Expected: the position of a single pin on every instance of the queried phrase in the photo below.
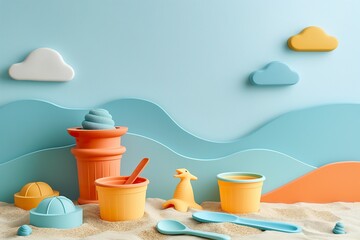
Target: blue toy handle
(208, 235)
(269, 225)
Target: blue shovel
(218, 217)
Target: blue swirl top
(98, 119)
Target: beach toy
(98, 152)
(119, 201)
(339, 228)
(217, 217)
(32, 194)
(183, 196)
(56, 212)
(139, 168)
(24, 230)
(172, 227)
(240, 192)
(98, 119)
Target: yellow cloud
(312, 39)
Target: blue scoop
(173, 227)
(217, 217)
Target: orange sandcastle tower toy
(183, 196)
(98, 151)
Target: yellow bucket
(240, 192)
(119, 201)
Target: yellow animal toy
(183, 196)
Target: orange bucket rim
(80, 129)
(79, 132)
(110, 182)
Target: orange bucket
(98, 154)
(119, 201)
(240, 192)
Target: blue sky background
(193, 58)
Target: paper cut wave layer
(36, 125)
(55, 166)
(52, 165)
(331, 183)
(316, 136)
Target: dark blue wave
(30, 125)
(316, 136)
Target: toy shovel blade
(217, 217)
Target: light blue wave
(57, 166)
(31, 125)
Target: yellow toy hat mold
(32, 194)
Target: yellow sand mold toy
(183, 196)
(32, 194)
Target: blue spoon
(173, 227)
(217, 217)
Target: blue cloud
(274, 73)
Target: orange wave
(336, 182)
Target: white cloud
(42, 64)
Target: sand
(317, 221)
